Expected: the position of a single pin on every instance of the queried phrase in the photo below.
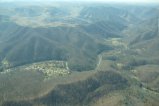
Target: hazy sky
(90, 0)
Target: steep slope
(106, 13)
(21, 45)
(82, 92)
(144, 36)
(115, 42)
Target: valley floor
(37, 80)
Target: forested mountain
(83, 54)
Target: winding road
(99, 61)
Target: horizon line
(87, 1)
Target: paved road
(67, 66)
(99, 61)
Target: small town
(50, 68)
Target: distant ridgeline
(71, 33)
(22, 45)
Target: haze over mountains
(109, 51)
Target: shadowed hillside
(84, 54)
(82, 92)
